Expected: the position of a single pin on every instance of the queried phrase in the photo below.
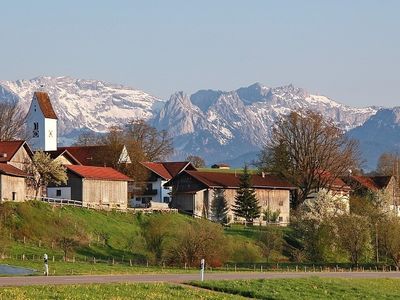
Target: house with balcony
(153, 191)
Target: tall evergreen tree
(219, 206)
(246, 203)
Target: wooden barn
(93, 186)
(15, 156)
(12, 183)
(193, 192)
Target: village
(176, 186)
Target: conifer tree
(246, 203)
(219, 207)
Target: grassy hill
(30, 229)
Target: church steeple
(42, 123)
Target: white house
(42, 123)
(155, 191)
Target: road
(180, 278)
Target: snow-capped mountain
(221, 126)
(84, 104)
(217, 125)
(379, 134)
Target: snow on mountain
(221, 126)
(216, 125)
(379, 134)
(84, 104)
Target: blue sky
(348, 50)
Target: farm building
(158, 174)
(93, 187)
(15, 156)
(12, 183)
(193, 192)
(386, 187)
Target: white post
(202, 265)
(46, 265)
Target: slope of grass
(308, 288)
(111, 291)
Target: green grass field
(308, 288)
(112, 291)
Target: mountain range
(220, 126)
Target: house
(64, 157)
(93, 187)
(12, 183)
(193, 192)
(338, 189)
(94, 155)
(15, 157)
(384, 186)
(158, 174)
(221, 166)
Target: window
(14, 196)
(166, 199)
(280, 203)
(58, 193)
(36, 129)
(280, 219)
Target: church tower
(42, 123)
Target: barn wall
(102, 192)
(10, 184)
(274, 200)
(183, 201)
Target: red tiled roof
(175, 167)
(158, 168)
(366, 182)
(9, 148)
(11, 170)
(45, 105)
(99, 173)
(232, 180)
(84, 154)
(334, 183)
(170, 169)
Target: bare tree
(196, 161)
(309, 151)
(89, 138)
(155, 144)
(12, 122)
(388, 164)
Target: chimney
(263, 174)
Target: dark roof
(232, 180)
(381, 181)
(168, 170)
(362, 181)
(99, 173)
(85, 154)
(158, 169)
(9, 148)
(11, 170)
(55, 154)
(45, 105)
